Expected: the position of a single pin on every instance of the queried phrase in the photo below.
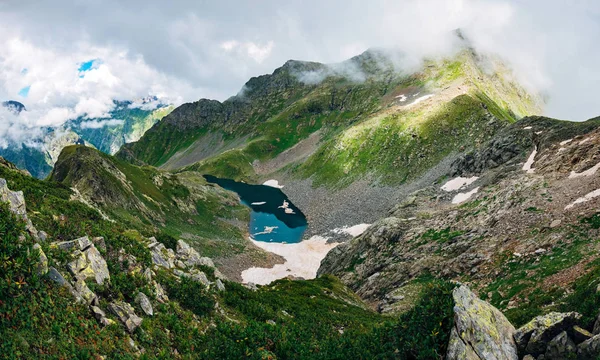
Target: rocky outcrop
(87, 261)
(142, 300)
(480, 331)
(125, 314)
(534, 336)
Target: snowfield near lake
(458, 183)
(462, 197)
(352, 230)
(273, 183)
(302, 260)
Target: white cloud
(97, 124)
(191, 49)
(256, 52)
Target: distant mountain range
(127, 122)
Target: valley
(396, 212)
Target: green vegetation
(527, 279)
(141, 197)
(401, 146)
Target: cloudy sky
(65, 58)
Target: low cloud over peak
(63, 59)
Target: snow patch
(352, 230)
(286, 207)
(273, 183)
(529, 163)
(301, 260)
(458, 183)
(589, 172)
(418, 100)
(563, 143)
(583, 199)
(538, 132)
(462, 197)
(402, 97)
(267, 230)
(259, 203)
(527, 128)
(585, 140)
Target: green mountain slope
(352, 118)
(191, 317)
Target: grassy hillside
(145, 198)
(317, 319)
(367, 127)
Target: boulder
(125, 314)
(579, 334)
(190, 256)
(220, 285)
(561, 347)
(589, 349)
(142, 300)
(78, 263)
(596, 329)
(81, 244)
(42, 267)
(533, 337)
(83, 292)
(57, 277)
(96, 266)
(159, 292)
(162, 256)
(15, 200)
(42, 235)
(480, 330)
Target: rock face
(560, 347)
(534, 336)
(589, 349)
(125, 314)
(480, 331)
(87, 262)
(142, 300)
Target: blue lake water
(273, 217)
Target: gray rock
(97, 312)
(15, 200)
(96, 266)
(125, 314)
(159, 292)
(579, 334)
(561, 347)
(148, 274)
(57, 277)
(81, 243)
(556, 223)
(42, 267)
(528, 357)
(142, 300)
(220, 285)
(42, 235)
(535, 335)
(596, 329)
(589, 349)
(162, 256)
(480, 331)
(271, 322)
(83, 292)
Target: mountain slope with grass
(79, 285)
(373, 127)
